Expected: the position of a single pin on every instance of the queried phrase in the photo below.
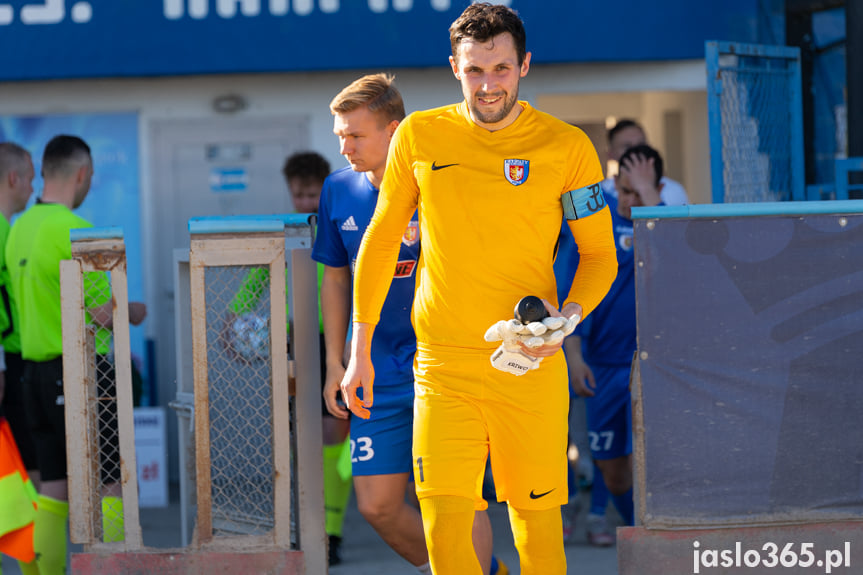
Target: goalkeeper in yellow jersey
(492, 178)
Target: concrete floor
(365, 553)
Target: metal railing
(755, 112)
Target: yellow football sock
(30, 568)
(448, 522)
(113, 520)
(337, 490)
(538, 537)
(49, 536)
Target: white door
(208, 167)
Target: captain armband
(586, 201)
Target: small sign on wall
(229, 179)
(150, 449)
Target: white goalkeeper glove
(509, 356)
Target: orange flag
(17, 500)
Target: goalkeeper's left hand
(524, 346)
(552, 340)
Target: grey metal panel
(750, 346)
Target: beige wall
(586, 93)
(675, 122)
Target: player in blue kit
(347, 203)
(366, 114)
(599, 353)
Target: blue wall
(828, 85)
(41, 39)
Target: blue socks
(625, 506)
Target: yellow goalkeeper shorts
(466, 410)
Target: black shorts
(13, 409)
(45, 407)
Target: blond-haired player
(366, 114)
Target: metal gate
(755, 111)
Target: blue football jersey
(609, 333)
(347, 203)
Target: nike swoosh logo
(435, 167)
(538, 495)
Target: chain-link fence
(104, 424)
(239, 374)
(249, 412)
(756, 131)
(241, 398)
(97, 388)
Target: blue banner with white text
(119, 38)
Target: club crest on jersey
(625, 241)
(412, 234)
(516, 171)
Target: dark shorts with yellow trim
(44, 405)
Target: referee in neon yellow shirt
(16, 186)
(39, 239)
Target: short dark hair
(622, 125)
(647, 152)
(483, 21)
(64, 154)
(375, 91)
(306, 166)
(12, 158)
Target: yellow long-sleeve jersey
(489, 214)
